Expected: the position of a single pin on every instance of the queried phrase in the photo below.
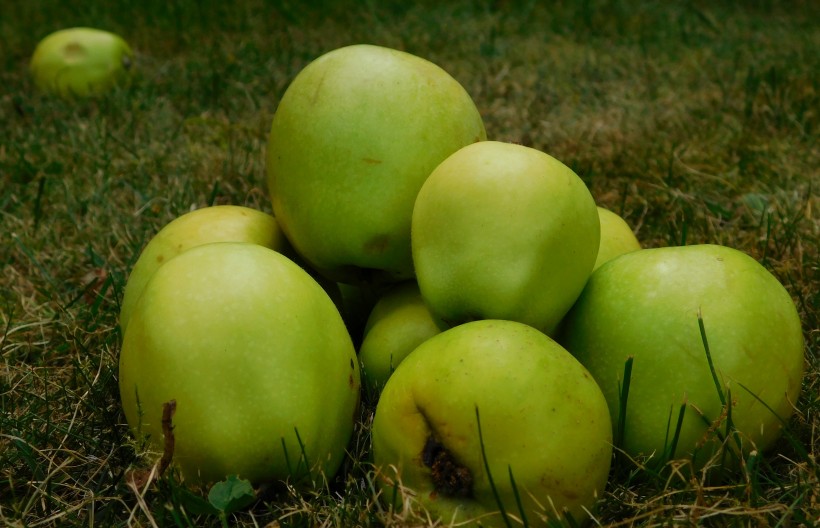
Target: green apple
(503, 231)
(220, 223)
(80, 61)
(399, 322)
(256, 356)
(645, 305)
(544, 426)
(617, 237)
(354, 137)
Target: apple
(398, 323)
(503, 231)
(219, 223)
(80, 61)
(646, 305)
(543, 420)
(617, 237)
(255, 355)
(355, 135)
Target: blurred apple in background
(503, 231)
(399, 322)
(220, 223)
(354, 137)
(545, 432)
(645, 304)
(80, 62)
(255, 354)
(617, 237)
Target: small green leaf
(232, 494)
(756, 202)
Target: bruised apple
(493, 404)
(355, 135)
(80, 61)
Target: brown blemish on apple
(377, 245)
(559, 486)
(450, 478)
(160, 258)
(371, 161)
(315, 98)
(74, 50)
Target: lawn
(697, 122)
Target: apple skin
(354, 137)
(542, 416)
(219, 223)
(80, 62)
(503, 231)
(645, 305)
(398, 323)
(617, 237)
(229, 331)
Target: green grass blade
(705, 341)
(496, 495)
(623, 397)
(518, 503)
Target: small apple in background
(80, 62)
(645, 305)
(399, 322)
(219, 223)
(257, 358)
(617, 237)
(503, 231)
(354, 137)
(544, 424)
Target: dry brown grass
(696, 122)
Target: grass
(698, 122)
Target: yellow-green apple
(355, 135)
(649, 305)
(80, 61)
(398, 323)
(544, 437)
(257, 358)
(219, 223)
(617, 237)
(503, 231)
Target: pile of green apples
(509, 332)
